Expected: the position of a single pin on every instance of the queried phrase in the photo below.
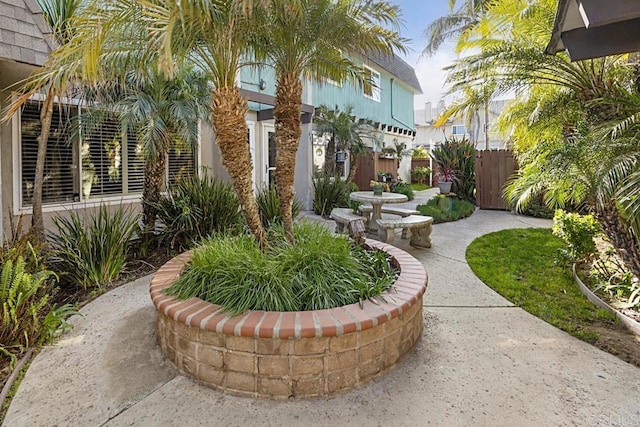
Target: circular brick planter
(290, 354)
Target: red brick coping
(290, 354)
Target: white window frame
(90, 202)
(251, 126)
(454, 127)
(375, 85)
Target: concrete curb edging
(628, 322)
(285, 355)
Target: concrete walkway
(480, 361)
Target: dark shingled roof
(24, 34)
(398, 68)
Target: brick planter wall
(290, 354)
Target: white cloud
(431, 75)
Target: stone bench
(420, 227)
(367, 209)
(345, 217)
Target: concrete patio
(481, 361)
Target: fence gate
(365, 172)
(493, 169)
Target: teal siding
(366, 108)
(250, 79)
(347, 94)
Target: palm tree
(325, 122)
(58, 14)
(307, 39)
(213, 35)
(345, 132)
(458, 24)
(163, 113)
(453, 25)
(555, 117)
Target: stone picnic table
(376, 203)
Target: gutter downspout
(392, 116)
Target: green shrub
(320, 271)
(403, 188)
(578, 232)
(420, 174)
(537, 209)
(195, 208)
(330, 192)
(92, 251)
(28, 320)
(458, 156)
(269, 206)
(22, 245)
(445, 209)
(420, 153)
(611, 279)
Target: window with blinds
(102, 159)
(180, 164)
(135, 164)
(59, 172)
(111, 161)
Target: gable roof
(24, 34)
(397, 67)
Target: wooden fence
(421, 163)
(368, 167)
(493, 169)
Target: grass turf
(420, 187)
(520, 265)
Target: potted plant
(378, 187)
(446, 177)
(388, 153)
(444, 156)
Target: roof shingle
(22, 31)
(396, 66)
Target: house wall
(211, 160)
(250, 79)
(394, 109)
(397, 100)
(9, 173)
(426, 134)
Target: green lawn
(520, 265)
(420, 187)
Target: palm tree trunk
(618, 232)
(353, 167)
(154, 170)
(287, 117)
(230, 126)
(46, 116)
(330, 157)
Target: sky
(417, 15)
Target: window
(459, 130)
(104, 161)
(371, 85)
(60, 180)
(180, 164)
(101, 154)
(135, 164)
